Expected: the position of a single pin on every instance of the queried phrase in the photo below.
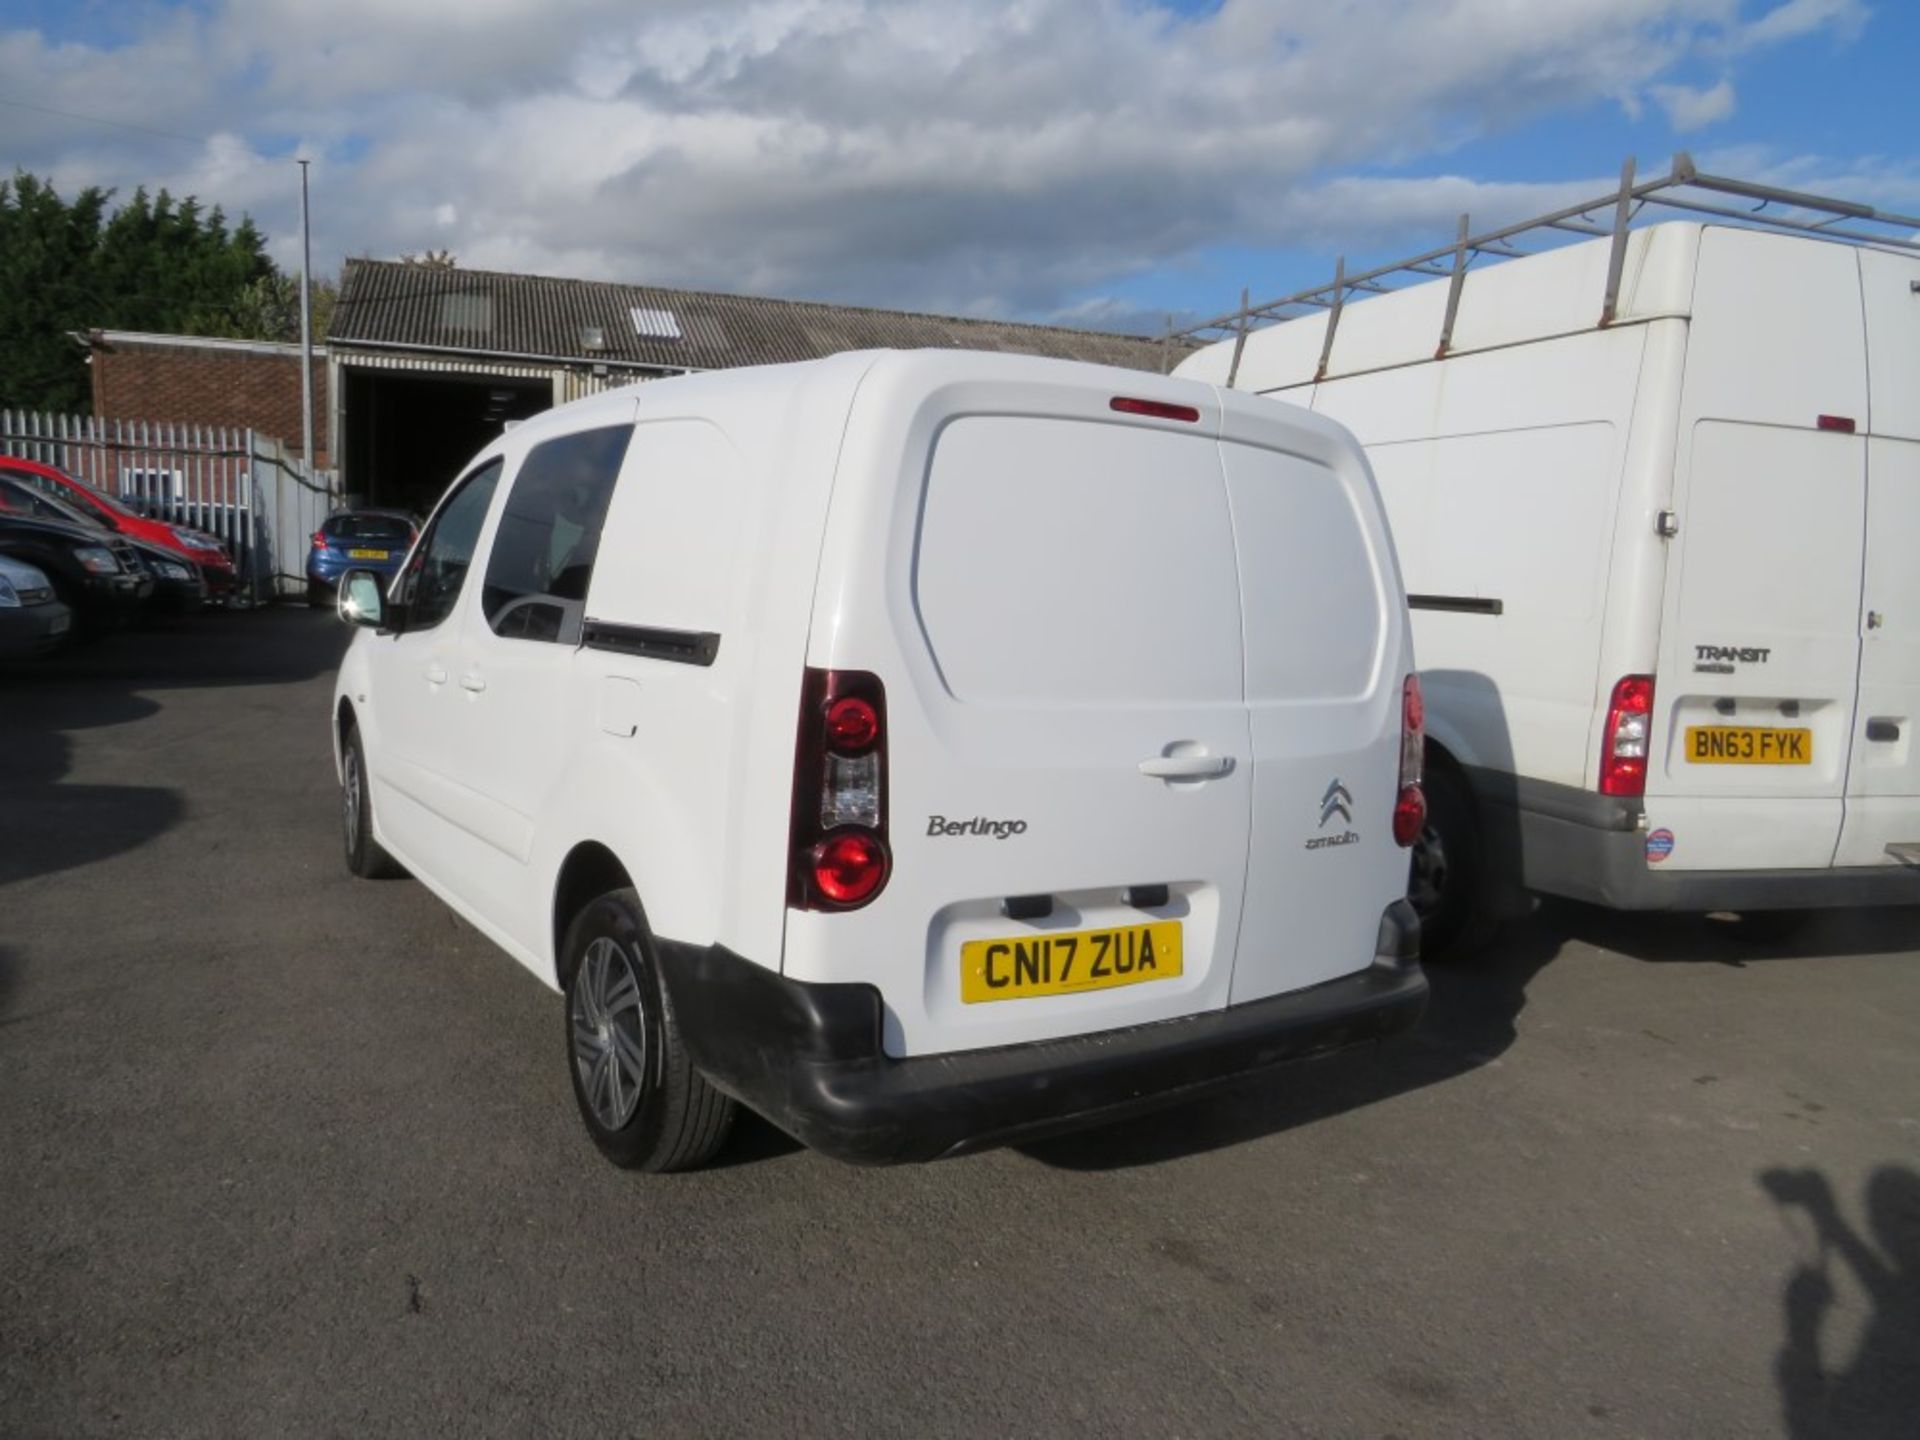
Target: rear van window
(1035, 579)
(368, 527)
(1315, 595)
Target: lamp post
(306, 328)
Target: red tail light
(849, 868)
(1627, 740)
(837, 856)
(852, 725)
(319, 540)
(1410, 808)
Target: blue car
(376, 540)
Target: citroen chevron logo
(1337, 801)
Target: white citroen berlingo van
(927, 750)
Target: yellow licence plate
(1748, 745)
(367, 554)
(1068, 963)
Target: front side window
(549, 533)
(76, 494)
(35, 479)
(433, 577)
(25, 500)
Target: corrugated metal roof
(478, 312)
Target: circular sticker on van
(1659, 846)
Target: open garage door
(405, 435)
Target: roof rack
(1684, 190)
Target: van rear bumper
(809, 1057)
(1590, 847)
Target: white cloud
(1690, 109)
(1002, 156)
(1795, 18)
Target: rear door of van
(1760, 637)
(1325, 667)
(1059, 630)
(1883, 781)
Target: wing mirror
(361, 601)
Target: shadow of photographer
(1876, 1393)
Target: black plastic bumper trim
(1609, 867)
(1560, 802)
(809, 1057)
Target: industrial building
(426, 362)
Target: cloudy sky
(1080, 160)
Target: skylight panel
(655, 324)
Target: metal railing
(236, 484)
(1682, 192)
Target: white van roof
(1635, 271)
(723, 390)
(1531, 298)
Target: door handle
(1186, 767)
(473, 681)
(436, 674)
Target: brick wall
(205, 385)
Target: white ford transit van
(1661, 560)
(928, 750)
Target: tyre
(1448, 880)
(317, 595)
(365, 858)
(643, 1103)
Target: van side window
(549, 532)
(433, 577)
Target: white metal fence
(234, 483)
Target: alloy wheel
(609, 1032)
(350, 796)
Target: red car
(204, 550)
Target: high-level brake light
(1158, 409)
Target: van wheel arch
(1437, 755)
(1457, 921)
(589, 871)
(365, 855)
